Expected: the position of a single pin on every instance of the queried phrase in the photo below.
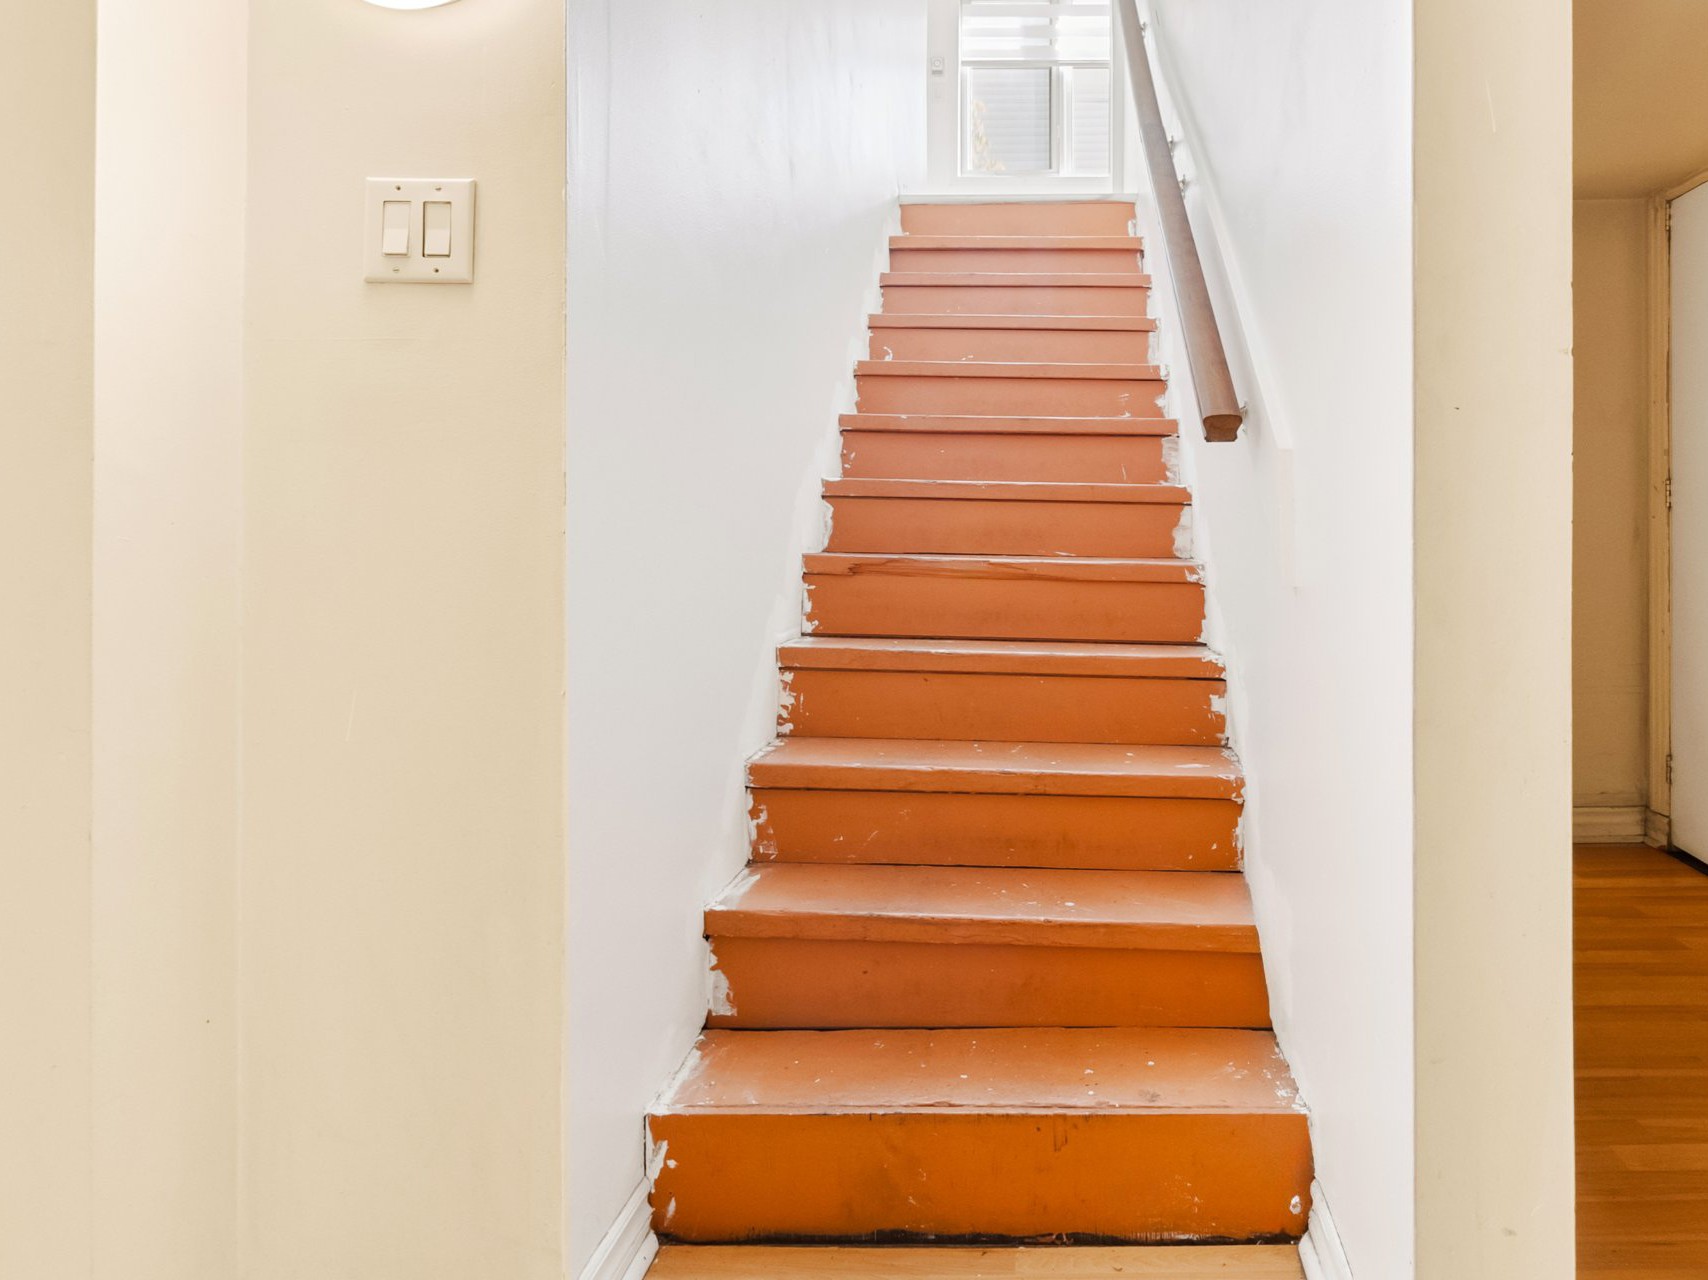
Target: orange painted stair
(992, 971)
(1154, 601)
(1016, 293)
(1114, 1133)
(971, 388)
(1012, 768)
(1007, 691)
(990, 517)
(1037, 450)
(1032, 254)
(1020, 339)
(996, 804)
(883, 946)
(1020, 218)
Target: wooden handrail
(1217, 400)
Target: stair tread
(1012, 279)
(977, 424)
(1009, 491)
(1153, 910)
(1137, 1069)
(1018, 568)
(938, 320)
(1007, 369)
(1024, 657)
(1011, 768)
(926, 240)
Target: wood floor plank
(761, 1262)
(1642, 1065)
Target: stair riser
(1121, 1175)
(1038, 346)
(977, 830)
(1003, 708)
(1022, 260)
(954, 456)
(1024, 397)
(784, 983)
(1014, 300)
(1004, 609)
(962, 527)
(1089, 218)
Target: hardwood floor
(1642, 1066)
(755, 1262)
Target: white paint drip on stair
(1183, 534)
(719, 1000)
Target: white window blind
(1035, 86)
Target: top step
(1020, 218)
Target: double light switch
(420, 231)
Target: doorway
(1641, 635)
(1679, 615)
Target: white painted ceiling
(1641, 111)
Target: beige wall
(47, 148)
(168, 409)
(401, 880)
(1492, 173)
(281, 762)
(1610, 543)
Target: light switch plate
(413, 266)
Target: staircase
(992, 972)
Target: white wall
(733, 171)
(1297, 122)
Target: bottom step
(1137, 1134)
(828, 1262)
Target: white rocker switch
(436, 229)
(394, 232)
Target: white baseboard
(629, 1246)
(1621, 824)
(1320, 1251)
(1657, 829)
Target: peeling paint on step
(1171, 458)
(759, 837)
(786, 703)
(720, 1002)
(744, 880)
(1182, 539)
(656, 1157)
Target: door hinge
(1669, 769)
(1669, 493)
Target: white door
(1690, 522)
